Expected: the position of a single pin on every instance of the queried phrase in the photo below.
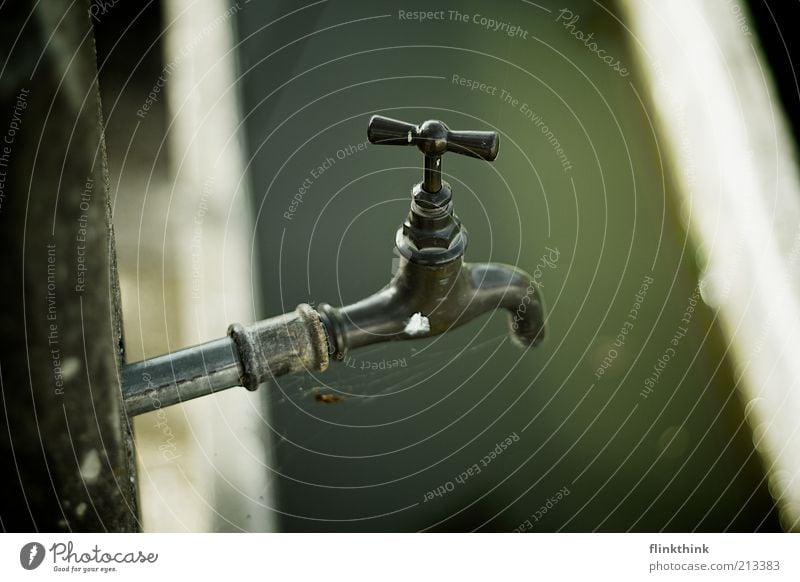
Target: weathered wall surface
(65, 445)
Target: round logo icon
(31, 555)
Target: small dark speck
(328, 397)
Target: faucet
(432, 292)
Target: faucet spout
(423, 301)
(502, 286)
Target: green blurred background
(680, 459)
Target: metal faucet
(433, 291)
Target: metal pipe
(247, 357)
(179, 376)
(432, 174)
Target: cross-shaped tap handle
(433, 138)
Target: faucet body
(444, 296)
(433, 284)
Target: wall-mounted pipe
(250, 355)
